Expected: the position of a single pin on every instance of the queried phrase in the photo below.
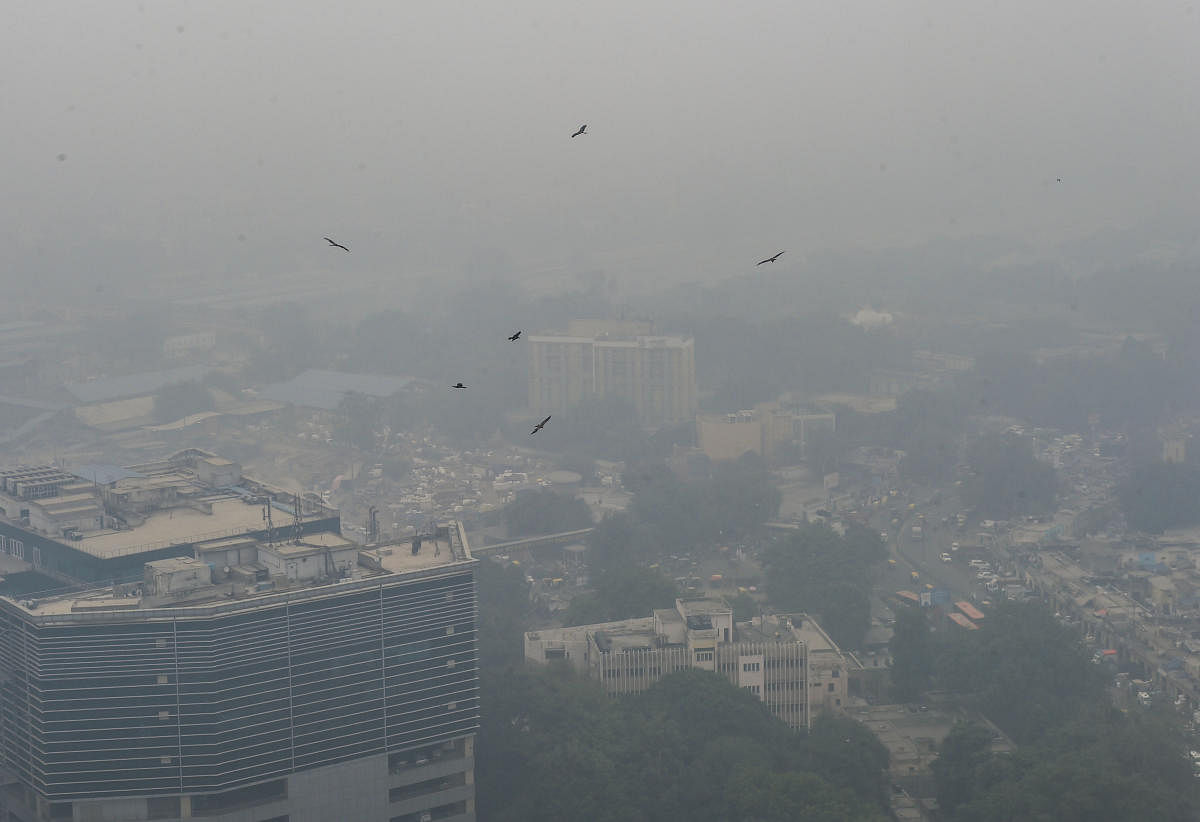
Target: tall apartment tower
(595, 358)
(294, 677)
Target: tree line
(1079, 757)
(554, 746)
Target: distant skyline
(217, 140)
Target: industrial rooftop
(313, 565)
(112, 511)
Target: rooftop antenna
(266, 515)
(297, 527)
(372, 525)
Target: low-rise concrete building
(787, 662)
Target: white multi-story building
(788, 662)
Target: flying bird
(582, 129)
(336, 245)
(770, 259)
(515, 337)
(539, 426)
(458, 385)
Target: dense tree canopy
(912, 654)
(542, 511)
(1022, 669)
(621, 593)
(828, 575)
(1080, 759)
(1161, 495)
(1006, 479)
(693, 747)
(599, 428)
(929, 427)
(735, 500)
(1108, 765)
(504, 612)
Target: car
(984, 575)
(954, 546)
(947, 558)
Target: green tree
(542, 511)
(1107, 765)
(504, 613)
(846, 754)
(912, 654)
(827, 575)
(622, 593)
(693, 748)
(602, 428)
(929, 425)
(962, 755)
(744, 606)
(1161, 495)
(1022, 669)
(1006, 480)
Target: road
(924, 556)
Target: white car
(947, 558)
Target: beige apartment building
(614, 358)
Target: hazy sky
(219, 139)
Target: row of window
(770, 664)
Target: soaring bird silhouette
(770, 259)
(539, 426)
(458, 385)
(582, 129)
(515, 337)
(336, 245)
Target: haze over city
(525, 412)
(215, 140)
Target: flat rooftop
(625, 633)
(375, 563)
(703, 607)
(159, 504)
(178, 526)
(399, 558)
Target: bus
(969, 610)
(959, 619)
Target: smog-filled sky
(216, 139)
